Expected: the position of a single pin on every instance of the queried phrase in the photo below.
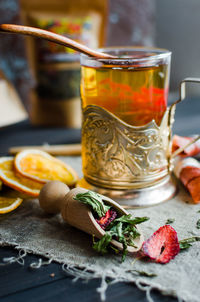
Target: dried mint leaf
(198, 224)
(123, 231)
(129, 219)
(101, 245)
(186, 243)
(95, 201)
(170, 220)
(145, 274)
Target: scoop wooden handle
(56, 38)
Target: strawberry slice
(163, 245)
(107, 219)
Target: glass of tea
(125, 134)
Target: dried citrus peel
(42, 167)
(9, 204)
(13, 180)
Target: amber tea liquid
(136, 95)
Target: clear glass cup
(125, 139)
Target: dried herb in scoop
(94, 200)
(121, 228)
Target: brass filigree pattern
(118, 155)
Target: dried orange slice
(11, 179)
(9, 204)
(42, 167)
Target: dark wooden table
(21, 283)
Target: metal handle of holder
(182, 94)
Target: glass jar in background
(55, 99)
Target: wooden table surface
(49, 283)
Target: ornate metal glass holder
(132, 164)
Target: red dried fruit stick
(107, 219)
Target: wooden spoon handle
(50, 36)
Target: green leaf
(114, 249)
(198, 224)
(119, 233)
(123, 230)
(122, 239)
(95, 201)
(145, 274)
(101, 245)
(170, 220)
(125, 234)
(129, 219)
(124, 253)
(130, 239)
(186, 243)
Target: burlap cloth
(30, 229)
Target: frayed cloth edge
(86, 273)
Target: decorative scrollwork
(117, 153)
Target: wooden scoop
(56, 38)
(78, 214)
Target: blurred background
(172, 24)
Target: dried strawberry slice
(163, 245)
(107, 219)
